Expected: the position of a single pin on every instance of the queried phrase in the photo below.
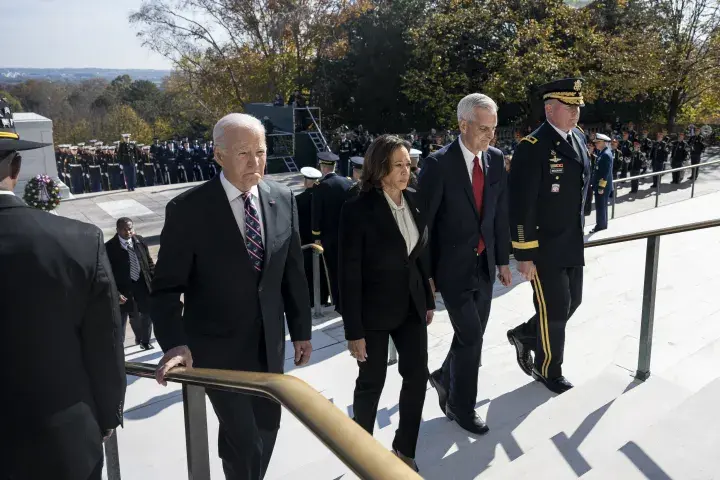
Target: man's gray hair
(466, 107)
(233, 120)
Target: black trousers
(601, 211)
(588, 202)
(657, 166)
(97, 473)
(677, 177)
(140, 320)
(411, 342)
(247, 434)
(469, 311)
(557, 294)
(695, 160)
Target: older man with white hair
(464, 186)
(232, 247)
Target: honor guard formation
(96, 167)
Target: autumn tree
(123, 119)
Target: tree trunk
(673, 109)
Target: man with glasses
(550, 175)
(65, 375)
(464, 188)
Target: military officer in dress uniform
(697, 147)
(328, 198)
(126, 158)
(679, 154)
(550, 173)
(658, 156)
(357, 165)
(304, 206)
(602, 181)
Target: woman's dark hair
(377, 160)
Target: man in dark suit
(328, 198)
(464, 186)
(304, 207)
(547, 212)
(241, 273)
(64, 381)
(133, 269)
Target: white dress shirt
(237, 204)
(124, 243)
(405, 221)
(7, 192)
(470, 158)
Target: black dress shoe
(472, 422)
(147, 346)
(557, 385)
(436, 382)
(523, 355)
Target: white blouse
(405, 221)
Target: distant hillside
(75, 75)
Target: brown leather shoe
(410, 462)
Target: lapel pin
(271, 202)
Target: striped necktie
(253, 238)
(134, 263)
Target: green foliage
(14, 103)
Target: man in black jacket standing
(133, 270)
(64, 377)
(464, 188)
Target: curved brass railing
(346, 439)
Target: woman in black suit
(385, 288)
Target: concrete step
(545, 417)
(577, 447)
(684, 444)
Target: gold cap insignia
(578, 85)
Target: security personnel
(658, 156)
(126, 158)
(637, 163)
(328, 198)
(357, 165)
(602, 181)
(550, 173)
(679, 154)
(304, 205)
(697, 147)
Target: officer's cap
(357, 162)
(81, 144)
(566, 90)
(310, 173)
(414, 152)
(327, 158)
(116, 142)
(125, 135)
(601, 137)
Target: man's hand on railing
(175, 357)
(107, 434)
(527, 269)
(303, 349)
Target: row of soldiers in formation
(95, 167)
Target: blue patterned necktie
(253, 238)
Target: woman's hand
(429, 316)
(357, 349)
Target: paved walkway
(146, 206)
(602, 335)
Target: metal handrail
(688, 227)
(657, 185)
(357, 449)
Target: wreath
(42, 192)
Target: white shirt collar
(6, 192)
(124, 242)
(233, 192)
(469, 156)
(560, 132)
(392, 203)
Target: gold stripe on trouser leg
(544, 330)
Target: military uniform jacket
(126, 153)
(328, 198)
(549, 183)
(680, 152)
(602, 174)
(659, 152)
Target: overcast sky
(73, 34)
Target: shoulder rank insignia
(583, 131)
(530, 139)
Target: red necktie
(478, 186)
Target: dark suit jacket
(64, 376)
(120, 263)
(229, 312)
(454, 222)
(379, 281)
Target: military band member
(626, 149)
(550, 173)
(697, 147)
(328, 198)
(658, 156)
(602, 181)
(617, 157)
(637, 163)
(678, 155)
(304, 207)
